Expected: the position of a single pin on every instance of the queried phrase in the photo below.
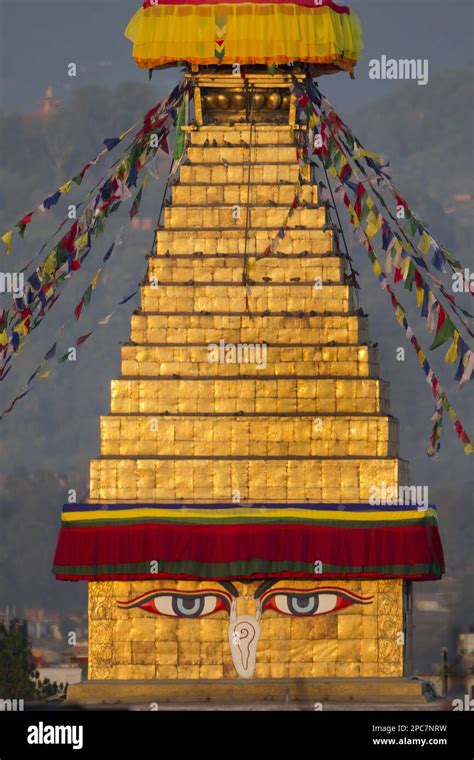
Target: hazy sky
(39, 39)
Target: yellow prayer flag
(82, 241)
(425, 243)
(376, 267)
(451, 412)
(397, 253)
(452, 353)
(373, 224)
(399, 314)
(44, 375)
(369, 154)
(419, 296)
(405, 267)
(49, 265)
(3, 338)
(66, 187)
(96, 278)
(7, 239)
(22, 328)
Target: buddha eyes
(287, 601)
(184, 604)
(311, 602)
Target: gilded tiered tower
(299, 416)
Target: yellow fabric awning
(246, 33)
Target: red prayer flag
(82, 339)
(441, 318)
(78, 309)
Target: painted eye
(174, 605)
(183, 604)
(311, 602)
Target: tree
(18, 677)
(16, 666)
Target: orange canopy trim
(167, 32)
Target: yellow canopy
(167, 32)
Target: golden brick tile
(122, 652)
(347, 669)
(349, 626)
(143, 651)
(369, 650)
(299, 669)
(210, 630)
(164, 672)
(211, 671)
(276, 628)
(136, 630)
(325, 650)
(211, 653)
(279, 670)
(166, 652)
(188, 671)
(369, 670)
(322, 670)
(301, 650)
(280, 651)
(369, 627)
(187, 630)
(262, 670)
(264, 651)
(135, 672)
(348, 650)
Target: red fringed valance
(99, 542)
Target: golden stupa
(228, 538)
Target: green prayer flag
(61, 256)
(447, 329)
(87, 295)
(179, 134)
(410, 277)
(98, 227)
(413, 223)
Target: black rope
(346, 249)
(245, 270)
(163, 199)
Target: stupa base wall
(366, 638)
(268, 692)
